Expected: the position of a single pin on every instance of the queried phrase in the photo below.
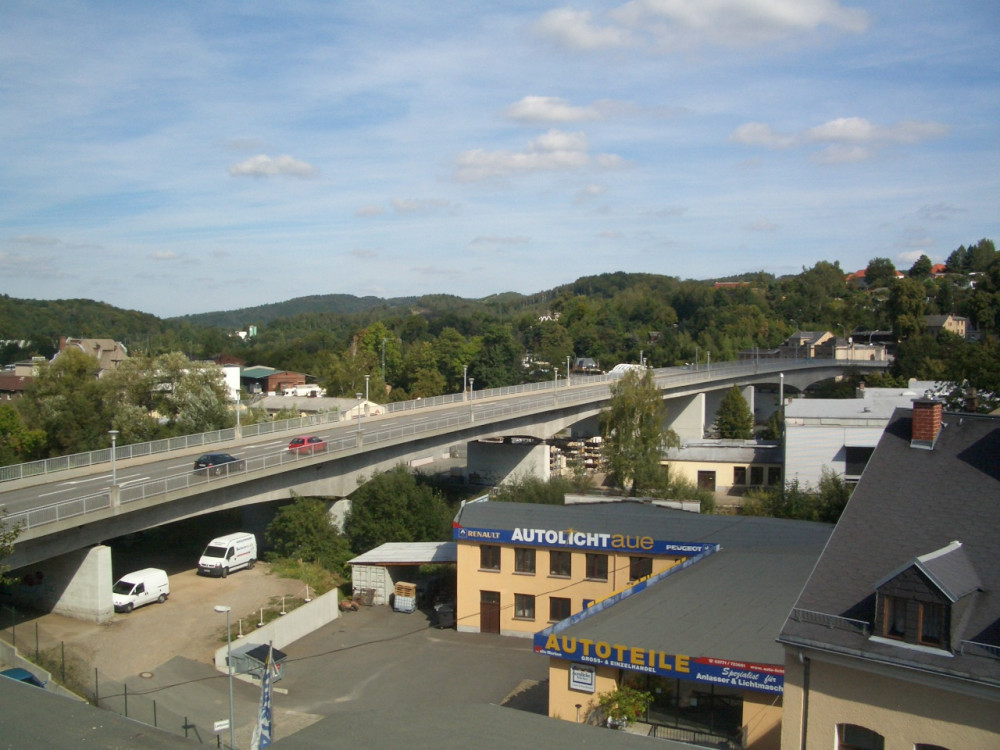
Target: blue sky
(185, 157)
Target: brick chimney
(926, 422)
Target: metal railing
(830, 621)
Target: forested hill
(44, 321)
(336, 304)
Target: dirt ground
(185, 625)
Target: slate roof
(910, 504)
(729, 605)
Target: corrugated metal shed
(379, 570)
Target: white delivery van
(141, 587)
(228, 553)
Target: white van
(228, 553)
(141, 587)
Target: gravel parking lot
(185, 625)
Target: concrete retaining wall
(289, 628)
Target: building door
(706, 480)
(489, 612)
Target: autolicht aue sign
(735, 674)
(571, 539)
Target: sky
(186, 157)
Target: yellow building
(682, 605)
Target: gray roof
(912, 502)
(34, 718)
(722, 452)
(729, 605)
(408, 553)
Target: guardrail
(374, 433)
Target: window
(757, 475)
(931, 623)
(895, 617)
(524, 607)
(773, 475)
(855, 460)
(560, 563)
(853, 737)
(739, 475)
(489, 557)
(639, 567)
(524, 560)
(597, 566)
(558, 608)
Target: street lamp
(229, 668)
(383, 360)
(465, 382)
(114, 473)
(366, 391)
(567, 370)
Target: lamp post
(472, 413)
(465, 382)
(567, 370)
(708, 362)
(358, 417)
(229, 668)
(114, 473)
(781, 395)
(383, 360)
(366, 391)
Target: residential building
(894, 642)
(726, 468)
(108, 352)
(267, 380)
(840, 434)
(955, 324)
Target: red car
(307, 444)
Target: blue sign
(572, 539)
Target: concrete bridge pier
(492, 463)
(76, 584)
(686, 417)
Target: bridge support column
(77, 584)
(492, 463)
(686, 417)
(749, 393)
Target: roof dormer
(923, 603)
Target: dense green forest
(424, 346)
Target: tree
(906, 308)
(734, 419)
(531, 489)
(67, 402)
(632, 427)
(18, 444)
(8, 535)
(921, 268)
(302, 531)
(394, 507)
(498, 362)
(880, 273)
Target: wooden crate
(406, 590)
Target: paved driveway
(370, 660)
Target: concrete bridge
(62, 521)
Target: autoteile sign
(573, 539)
(764, 678)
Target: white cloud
(263, 165)
(849, 139)
(555, 150)
(672, 25)
(939, 212)
(735, 23)
(497, 240)
(164, 255)
(364, 253)
(418, 205)
(37, 240)
(911, 256)
(366, 211)
(761, 225)
(552, 109)
(575, 30)
(761, 134)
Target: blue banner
(586, 540)
(766, 678)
